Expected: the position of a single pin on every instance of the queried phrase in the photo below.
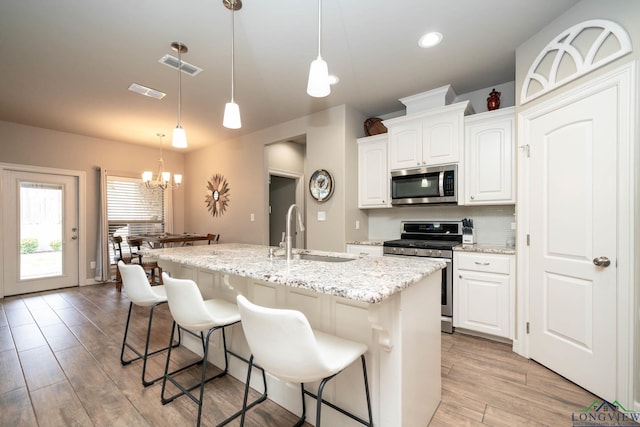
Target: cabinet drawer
(484, 262)
(371, 250)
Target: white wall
(330, 144)
(478, 98)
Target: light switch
(357, 224)
(253, 217)
(322, 216)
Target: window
(133, 209)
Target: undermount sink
(323, 258)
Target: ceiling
(67, 64)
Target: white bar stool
(284, 344)
(140, 292)
(197, 316)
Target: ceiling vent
(146, 91)
(172, 61)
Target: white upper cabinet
(373, 172)
(406, 150)
(430, 138)
(489, 166)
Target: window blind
(133, 209)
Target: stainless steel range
(433, 240)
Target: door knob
(75, 237)
(602, 261)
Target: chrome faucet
(288, 244)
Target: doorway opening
(285, 173)
(282, 194)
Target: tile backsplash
(492, 223)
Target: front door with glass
(40, 227)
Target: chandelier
(162, 179)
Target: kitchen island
(391, 304)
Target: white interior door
(573, 232)
(40, 228)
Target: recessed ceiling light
(333, 79)
(430, 39)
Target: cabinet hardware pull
(482, 263)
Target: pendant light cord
(160, 136)
(179, 80)
(319, 28)
(233, 47)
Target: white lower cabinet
(484, 293)
(371, 250)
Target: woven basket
(374, 126)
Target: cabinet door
(373, 172)
(489, 173)
(483, 302)
(405, 142)
(441, 137)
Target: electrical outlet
(253, 217)
(513, 225)
(93, 264)
(357, 224)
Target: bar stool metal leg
(146, 354)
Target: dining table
(169, 239)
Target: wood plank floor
(60, 366)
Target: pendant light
(163, 178)
(318, 84)
(179, 139)
(231, 118)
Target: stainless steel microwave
(436, 184)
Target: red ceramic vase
(493, 101)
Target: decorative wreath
(217, 198)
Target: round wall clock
(217, 198)
(321, 185)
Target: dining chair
(119, 255)
(150, 265)
(200, 318)
(282, 342)
(140, 293)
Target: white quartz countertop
(366, 242)
(367, 279)
(487, 249)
